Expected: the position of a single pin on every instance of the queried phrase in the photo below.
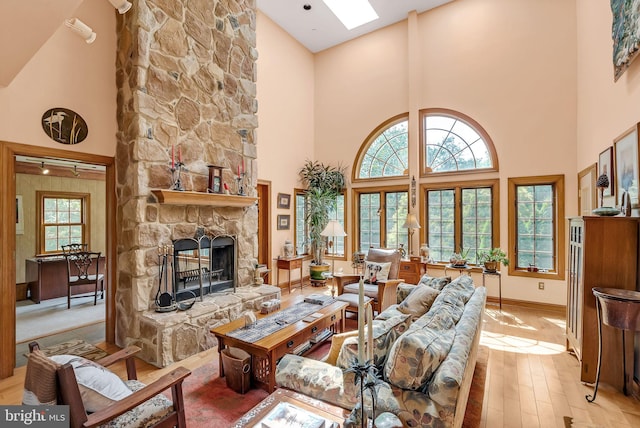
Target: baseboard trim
(549, 307)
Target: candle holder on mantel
(240, 180)
(176, 173)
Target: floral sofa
(425, 361)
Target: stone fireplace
(204, 265)
(186, 85)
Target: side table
(289, 265)
(461, 269)
(499, 275)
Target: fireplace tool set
(165, 298)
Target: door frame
(8, 151)
(264, 223)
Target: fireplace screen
(204, 265)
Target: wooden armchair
(143, 408)
(383, 293)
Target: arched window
(386, 150)
(453, 142)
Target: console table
(289, 265)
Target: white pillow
(98, 386)
(374, 272)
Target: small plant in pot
(492, 259)
(324, 184)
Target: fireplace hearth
(204, 265)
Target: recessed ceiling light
(353, 13)
(307, 7)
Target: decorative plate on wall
(64, 126)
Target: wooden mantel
(173, 197)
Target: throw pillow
(419, 301)
(40, 380)
(336, 344)
(99, 387)
(435, 282)
(375, 272)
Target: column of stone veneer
(186, 78)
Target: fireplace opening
(204, 265)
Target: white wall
(489, 59)
(67, 72)
(286, 118)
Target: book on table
(286, 415)
(318, 299)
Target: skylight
(352, 13)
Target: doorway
(264, 221)
(58, 202)
(8, 213)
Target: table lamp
(411, 223)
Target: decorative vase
(289, 250)
(424, 252)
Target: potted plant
(324, 184)
(459, 259)
(492, 259)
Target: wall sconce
(44, 169)
(81, 29)
(123, 6)
(413, 191)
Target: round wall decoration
(64, 126)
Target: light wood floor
(531, 380)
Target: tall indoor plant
(324, 184)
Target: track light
(122, 5)
(44, 169)
(82, 29)
(75, 171)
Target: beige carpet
(52, 316)
(75, 347)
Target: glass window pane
(387, 155)
(535, 226)
(369, 221)
(453, 145)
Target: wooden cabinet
(411, 270)
(603, 252)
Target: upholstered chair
(381, 290)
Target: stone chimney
(186, 79)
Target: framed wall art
(605, 166)
(626, 167)
(284, 221)
(284, 200)
(625, 34)
(19, 216)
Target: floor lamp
(334, 230)
(411, 223)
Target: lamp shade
(333, 229)
(411, 222)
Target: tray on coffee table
(284, 401)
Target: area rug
(75, 347)
(208, 401)
(473, 413)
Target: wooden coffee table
(329, 412)
(269, 349)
